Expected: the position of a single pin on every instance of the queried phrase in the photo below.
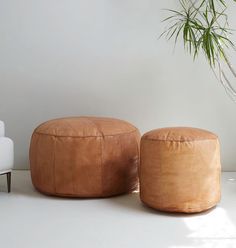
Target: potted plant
(203, 26)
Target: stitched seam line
(91, 136)
(54, 165)
(101, 138)
(138, 146)
(145, 139)
(102, 169)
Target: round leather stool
(85, 157)
(180, 169)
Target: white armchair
(6, 155)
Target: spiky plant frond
(204, 27)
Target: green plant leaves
(204, 27)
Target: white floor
(31, 220)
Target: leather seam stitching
(101, 137)
(182, 141)
(54, 164)
(91, 136)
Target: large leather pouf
(180, 169)
(85, 157)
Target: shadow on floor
(133, 202)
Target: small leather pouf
(85, 157)
(180, 169)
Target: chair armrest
(2, 129)
(6, 154)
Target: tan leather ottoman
(180, 169)
(85, 157)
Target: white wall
(102, 57)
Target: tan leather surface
(85, 157)
(180, 169)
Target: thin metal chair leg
(9, 182)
